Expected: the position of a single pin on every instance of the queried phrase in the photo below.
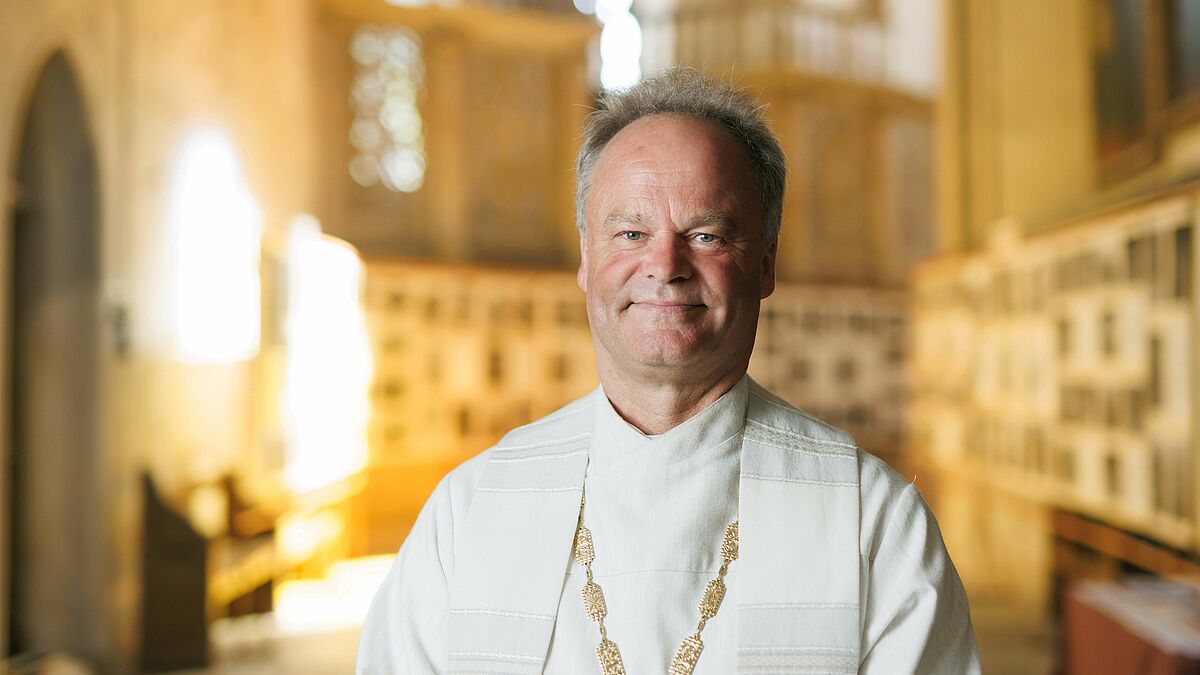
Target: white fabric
(657, 508)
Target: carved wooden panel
(838, 353)
(1063, 366)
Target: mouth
(666, 306)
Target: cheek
(732, 289)
(613, 273)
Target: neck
(658, 404)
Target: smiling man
(679, 518)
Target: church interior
(303, 257)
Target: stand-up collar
(617, 443)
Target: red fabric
(1097, 644)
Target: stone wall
(150, 73)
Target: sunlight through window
(214, 252)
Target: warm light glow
(214, 226)
(328, 369)
(340, 600)
(620, 44)
(607, 10)
(301, 537)
(387, 132)
(208, 510)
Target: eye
(630, 235)
(707, 238)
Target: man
(585, 541)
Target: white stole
(798, 596)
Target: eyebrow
(623, 218)
(714, 219)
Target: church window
(464, 421)
(1108, 333)
(525, 311)
(1065, 465)
(812, 322)
(1137, 408)
(1155, 367)
(1069, 404)
(462, 308)
(495, 366)
(1035, 457)
(387, 132)
(1140, 255)
(1064, 337)
(800, 370)
(1183, 262)
(560, 368)
(858, 416)
(393, 344)
(215, 239)
(1163, 499)
(845, 370)
(620, 41)
(1112, 475)
(394, 434)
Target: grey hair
(686, 92)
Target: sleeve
(405, 629)
(916, 618)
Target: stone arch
(54, 567)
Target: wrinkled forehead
(669, 151)
(677, 142)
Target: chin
(668, 355)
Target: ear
(767, 282)
(582, 274)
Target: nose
(667, 260)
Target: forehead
(664, 150)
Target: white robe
(657, 508)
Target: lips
(667, 306)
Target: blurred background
(270, 268)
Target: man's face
(673, 261)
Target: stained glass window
(387, 133)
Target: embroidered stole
(798, 595)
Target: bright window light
(606, 10)
(328, 370)
(620, 50)
(337, 602)
(387, 132)
(214, 227)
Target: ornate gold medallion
(688, 654)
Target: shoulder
(893, 514)
(915, 613)
(884, 496)
(565, 424)
(774, 419)
(569, 423)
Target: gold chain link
(688, 654)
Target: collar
(618, 444)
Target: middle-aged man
(679, 518)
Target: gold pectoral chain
(689, 650)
